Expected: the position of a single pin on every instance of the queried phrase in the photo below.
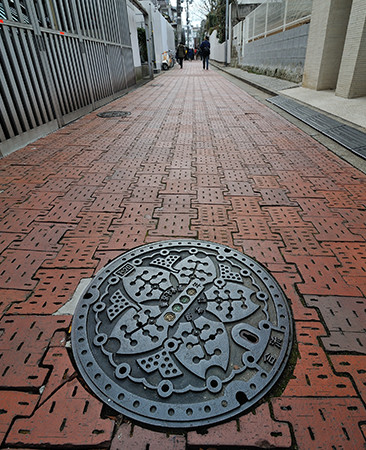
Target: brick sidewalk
(197, 158)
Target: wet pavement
(198, 158)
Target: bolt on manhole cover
(111, 114)
(182, 333)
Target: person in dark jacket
(181, 53)
(205, 52)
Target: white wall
(133, 13)
(217, 49)
(163, 33)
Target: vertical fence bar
(60, 58)
(285, 15)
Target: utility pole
(226, 29)
(179, 22)
(187, 18)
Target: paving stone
(338, 199)
(265, 182)
(13, 404)
(257, 430)
(320, 276)
(255, 227)
(234, 175)
(247, 206)
(62, 370)
(20, 220)
(84, 159)
(43, 237)
(208, 195)
(76, 253)
(6, 239)
(151, 168)
(22, 345)
(93, 225)
(178, 187)
(288, 282)
(8, 297)
(55, 287)
(323, 423)
(352, 257)
(275, 197)
(214, 215)
(202, 169)
(357, 192)
(127, 236)
(315, 208)
(142, 195)
(265, 252)
(175, 203)
(105, 203)
(258, 169)
(313, 376)
(285, 216)
(301, 241)
(239, 188)
(354, 218)
(19, 266)
(354, 366)
(18, 189)
(332, 229)
(70, 172)
(63, 211)
(79, 424)
(324, 184)
(135, 437)
(39, 200)
(345, 318)
(174, 225)
(54, 184)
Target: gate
(59, 59)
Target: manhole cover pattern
(182, 333)
(111, 114)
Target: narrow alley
(195, 157)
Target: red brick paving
(203, 161)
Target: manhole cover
(111, 114)
(182, 333)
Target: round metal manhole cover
(182, 333)
(112, 114)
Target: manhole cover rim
(128, 404)
(113, 114)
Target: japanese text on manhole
(182, 333)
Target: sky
(194, 13)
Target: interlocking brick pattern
(204, 161)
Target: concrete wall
(281, 54)
(134, 14)
(162, 31)
(217, 49)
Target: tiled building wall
(352, 74)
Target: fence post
(83, 52)
(266, 21)
(285, 15)
(41, 49)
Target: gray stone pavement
(352, 111)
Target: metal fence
(59, 59)
(274, 16)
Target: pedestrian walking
(181, 53)
(205, 52)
